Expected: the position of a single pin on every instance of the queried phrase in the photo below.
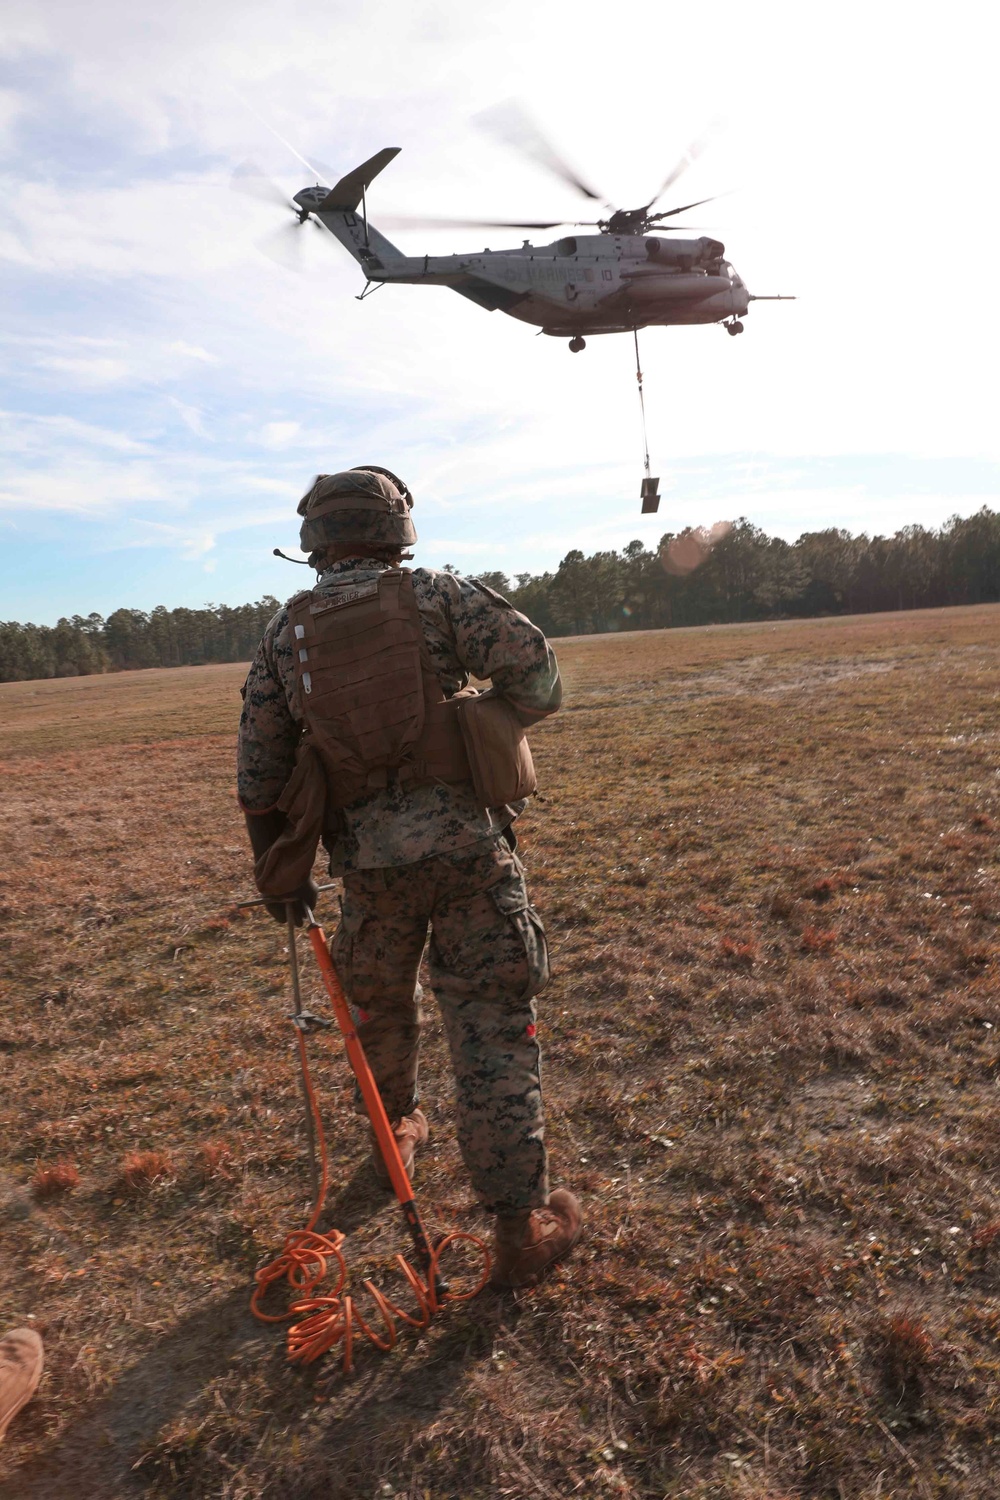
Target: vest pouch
(499, 757)
(288, 863)
(372, 704)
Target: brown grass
(141, 1169)
(767, 858)
(216, 1159)
(906, 1352)
(49, 1182)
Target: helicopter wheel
(576, 344)
(734, 328)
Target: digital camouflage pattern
(431, 858)
(469, 630)
(487, 960)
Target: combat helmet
(365, 504)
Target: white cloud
(23, 432)
(169, 227)
(195, 546)
(189, 415)
(83, 487)
(279, 434)
(189, 542)
(193, 351)
(95, 371)
(268, 486)
(11, 105)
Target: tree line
(747, 575)
(131, 638)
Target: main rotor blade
(668, 213)
(314, 166)
(326, 173)
(403, 221)
(689, 156)
(253, 183)
(512, 125)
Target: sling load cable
(649, 490)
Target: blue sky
(167, 392)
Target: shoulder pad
(484, 588)
(434, 578)
(299, 597)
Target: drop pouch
(499, 756)
(289, 861)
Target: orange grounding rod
(328, 1319)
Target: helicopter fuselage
(580, 284)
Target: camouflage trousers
(487, 960)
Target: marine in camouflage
(487, 960)
(430, 858)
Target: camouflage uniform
(431, 857)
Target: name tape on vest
(346, 596)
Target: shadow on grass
(166, 1428)
(359, 1200)
(215, 1393)
(95, 1452)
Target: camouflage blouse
(470, 631)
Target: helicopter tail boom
(371, 250)
(338, 212)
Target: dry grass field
(767, 857)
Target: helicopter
(624, 277)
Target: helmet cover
(366, 504)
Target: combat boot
(21, 1359)
(410, 1132)
(527, 1243)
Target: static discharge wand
(330, 1318)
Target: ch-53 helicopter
(624, 277)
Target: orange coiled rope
(330, 1318)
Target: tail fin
(348, 192)
(338, 212)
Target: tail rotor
(284, 246)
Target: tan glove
(264, 829)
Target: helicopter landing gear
(576, 344)
(734, 327)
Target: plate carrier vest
(373, 706)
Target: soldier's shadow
(95, 1452)
(114, 1445)
(356, 1202)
